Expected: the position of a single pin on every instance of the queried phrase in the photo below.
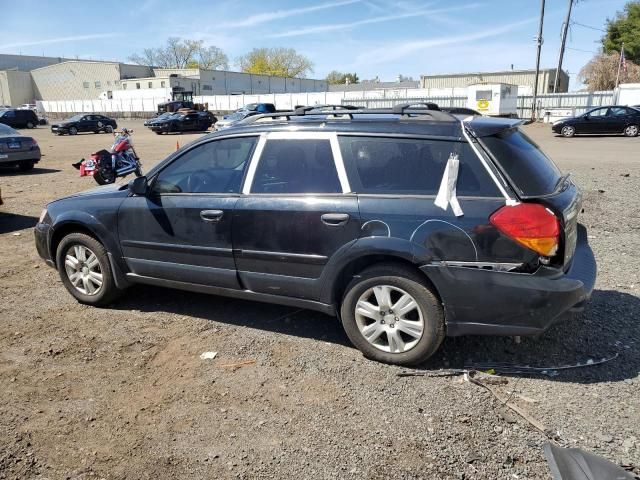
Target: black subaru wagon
(410, 224)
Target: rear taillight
(34, 144)
(531, 225)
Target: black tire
(401, 278)
(26, 165)
(158, 133)
(108, 129)
(30, 125)
(631, 130)
(103, 180)
(73, 131)
(108, 291)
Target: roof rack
(405, 110)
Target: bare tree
(601, 72)
(281, 62)
(179, 53)
(212, 58)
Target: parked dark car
(17, 149)
(182, 122)
(614, 119)
(18, 118)
(161, 116)
(336, 213)
(85, 123)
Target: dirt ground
(121, 393)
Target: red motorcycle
(106, 166)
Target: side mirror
(138, 186)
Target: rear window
(383, 165)
(529, 169)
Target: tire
(30, 125)
(158, 133)
(85, 271)
(568, 131)
(425, 333)
(108, 129)
(73, 131)
(631, 131)
(26, 165)
(102, 180)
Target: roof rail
(405, 110)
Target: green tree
(625, 28)
(338, 78)
(279, 62)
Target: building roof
(502, 72)
(101, 62)
(340, 87)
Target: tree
(600, 73)
(625, 28)
(178, 53)
(279, 62)
(338, 78)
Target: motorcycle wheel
(103, 180)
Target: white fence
(579, 101)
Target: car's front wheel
(31, 125)
(73, 131)
(84, 268)
(631, 131)
(391, 315)
(108, 129)
(568, 131)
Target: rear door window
(296, 166)
(384, 165)
(529, 169)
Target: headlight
(42, 215)
(557, 122)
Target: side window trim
(335, 151)
(156, 174)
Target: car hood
(62, 124)
(115, 189)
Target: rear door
(621, 117)
(181, 230)
(295, 214)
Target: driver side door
(181, 230)
(596, 121)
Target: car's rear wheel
(84, 268)
(391, 315)
(73, 131)
(631, 131)
(568, 131)
(26, 165)
(31, 125)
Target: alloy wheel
(568, 131)
(389, 318)
(631, 131)
(83, 269)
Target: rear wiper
(561, 181)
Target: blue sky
(371, 37)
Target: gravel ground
(121, 392)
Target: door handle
(335, 219)
(211, 215)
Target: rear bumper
(483, 302)
(12, 157)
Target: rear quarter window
(408, 166)
(527, 166)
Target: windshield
(531, 171)
(237, 116)
(5, 130)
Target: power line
(588, 26)
(581, 50)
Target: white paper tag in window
(447, 193)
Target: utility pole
(556, 81)
(539, 41)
